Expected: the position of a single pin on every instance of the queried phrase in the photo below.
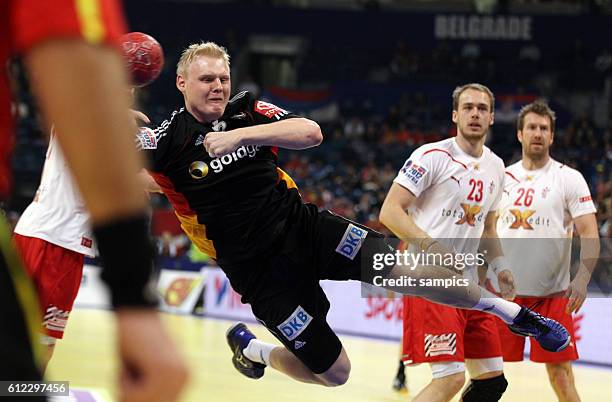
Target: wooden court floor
(85, 358)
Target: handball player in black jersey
(216, 161)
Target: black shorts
(284, 290)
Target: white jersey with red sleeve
(455, 192)
(57, 214)
(539, 206)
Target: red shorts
(438, 333)
(57, 273)
(513, 346)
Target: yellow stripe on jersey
(90, 17)
(197, 231)
(24, 289)
(197, 234)
(282, 175)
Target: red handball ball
(144, 56)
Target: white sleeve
(500, 191)
(577, 195)
(420, 171)
(500, 186)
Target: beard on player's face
(535, 146)
(536, 151)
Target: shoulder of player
(511, 172)
(171, 123)
(566, 172)
(496, 160)
(238, 102)
(438, 149)
(440, 154)
(561, 167)
(514, 167)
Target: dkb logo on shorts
(295, 324)
(351, 241)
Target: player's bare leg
(251, 356)
(441, 389)
(49, 348)
(561, 378)
(551, 335)
(286, 362)
(399, 382)
(470, 296)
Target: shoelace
(538, 319)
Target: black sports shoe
(238, 337)
(551, 335)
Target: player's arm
(293, 133)
(393, 215)
(97, 147)
(80, 87)
(491, 247)
(582, 210)
(489, 243)
(586, 227)
(145, 179)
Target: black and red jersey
(235, 207)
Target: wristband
(431, 242)
(498, 264)
(127, 259)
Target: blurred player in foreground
(79, 79)
(542, 202)
(216, 161)
(451, 191)
(53, 234)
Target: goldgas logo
(198, 170)
(469, 214)
(520, 219)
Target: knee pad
(489, 390)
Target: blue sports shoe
(551, 335)
(238, 337)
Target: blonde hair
(195, 50)
(479, 87)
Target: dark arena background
(377, 75)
